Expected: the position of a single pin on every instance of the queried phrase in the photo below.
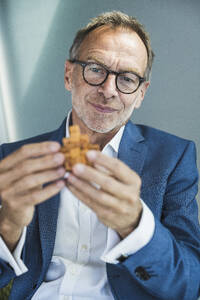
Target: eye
(127, 79)
(96, 69)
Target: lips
(103, 109)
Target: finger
(27, 151)
(91, 195)
(108, 214)
(33, 181)
(38, 188)
(113, 212)
(42, 195)
(86, 200)
(102, 169)
(30, 166)
(107, 183)
(116, 167)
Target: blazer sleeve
(6, 272)
(168, 267)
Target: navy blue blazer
(168, 267)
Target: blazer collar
(132, 148)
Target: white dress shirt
(83, 245)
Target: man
(126, 228)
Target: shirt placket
(73, 269)
(84, 244)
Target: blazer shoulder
(163, 145)
(55, 135)
(15, 145)
(157, 136)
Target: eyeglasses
(95, 74)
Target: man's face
(104, 108)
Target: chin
(102, 129)
(99, 129)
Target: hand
(111, 189)
(22, 176)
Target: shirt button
(72, 269)
(84, 247)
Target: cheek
(76, 83)
(77, 87)
(80, 92)
(129, 102)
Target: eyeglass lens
(96, 74)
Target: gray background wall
(36, 37)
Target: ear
(142, 92)
(68, 75)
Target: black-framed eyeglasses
(96, 74)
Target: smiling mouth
(103, 109)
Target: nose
(108, 88)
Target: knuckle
(129, 194)
(2, 181)
(106, 183)
(33, 197)
(45, 145)
(136, 184)
(116, 163)
(1, 162)
(12, 204)
(26, 182)
(105, 199)
(102, 215)
(119, 167)
(47, 160)
(3, 194)
(138, 181)
(102, 197)
(123, 210)
(105, 213)
(24, 150)
(24, 167)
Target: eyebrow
(101, 62)
(97, 60)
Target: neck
(95, 137)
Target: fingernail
(71, 178)
(78, 168)
(60, 184)
(58, 157)
(61, 171)
(54, 147)
(91, 154)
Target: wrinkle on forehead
(110, 44)
(108, 64)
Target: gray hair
(114, 19)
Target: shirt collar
(67, 123)
(114, 142)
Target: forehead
(118, 47)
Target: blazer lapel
(132, 148)
(48, 213)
